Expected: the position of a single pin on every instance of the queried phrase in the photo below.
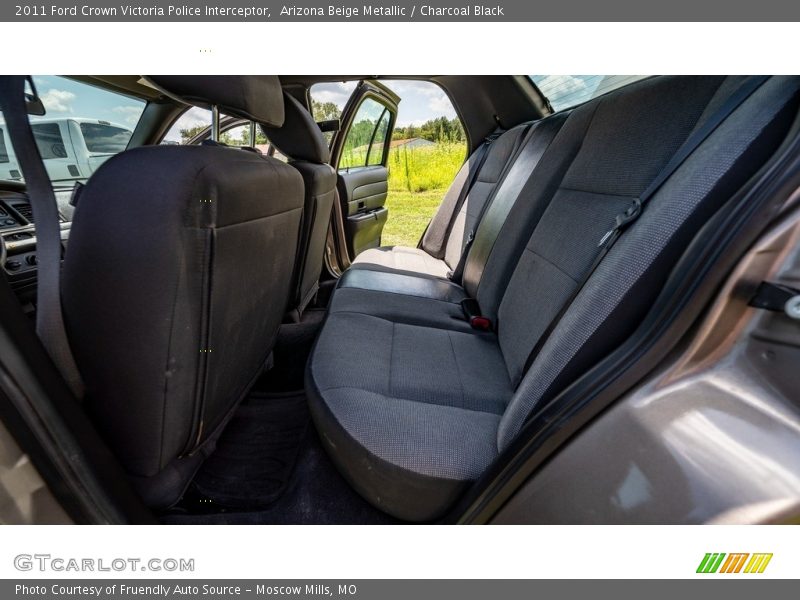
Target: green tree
(260, 137)
(325, 111)
(189, 132)
(439, 130)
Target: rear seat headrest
(300, 138)
(257, 98)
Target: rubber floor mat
(256, 454)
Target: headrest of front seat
(300, 138)
(257, 98)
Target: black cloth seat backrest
(625, 140)
(301, 140)
(175, 282)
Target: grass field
(409, 213)
(418, 179)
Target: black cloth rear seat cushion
(422, 412)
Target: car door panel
(365, 189)
(364, 229)
(361, 151)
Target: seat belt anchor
(777, 297)
(481, 323)
(623, 220)
(473, 316)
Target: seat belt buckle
(473, 316)
(481, 323)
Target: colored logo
(719, 562)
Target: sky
(66, 98)
(420, 101)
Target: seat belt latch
(473, 316)
(622, 221)
(778, 298)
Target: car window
(49, 140)
(328, 101)
(566, 91)
(105, 138)
(192, 122)
(375, 156)
(83, 126)
(3, 151)
(194, 126)
(369, 128)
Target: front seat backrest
(301, 140)
(175, 282)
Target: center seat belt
(457, 274)
(47, 225)
(479, 157)
(633, 212)
(545, 131)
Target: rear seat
(412, 404)
(446, 236)
(426, 300)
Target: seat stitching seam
(550, 262)
(401, 294)
(248, 221)
(470, 332)
(391, 357)
(350, 387)
(458, 369)
(563, 188)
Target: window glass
(565, 91)
(83, 126)
(356, 149)
(191, 123)
(375, 156)
(240, 136)
(195, 124)
(49, 140)
(105, 138)
(3, 150)
(328, 101)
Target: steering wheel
(2, 252)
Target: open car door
(359, 154)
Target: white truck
(71, 148)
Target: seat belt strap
(457, 274)
(632, 213)
(479, 158)
(49, 318)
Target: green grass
(418, 180)
(426, 168)
(409, 213)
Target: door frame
(337, 256)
